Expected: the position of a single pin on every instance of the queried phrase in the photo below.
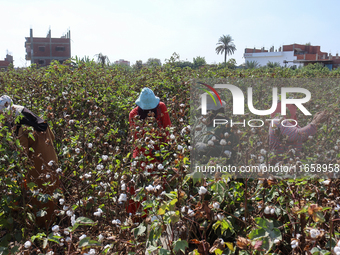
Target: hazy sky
(141, 29)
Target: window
(42, 48)
(59, 48)
(41, 62)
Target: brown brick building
(42, 50)
(5, 63)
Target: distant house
(122, 62)
(293, 54)
(6, 62)
(42, 50)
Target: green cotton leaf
(218, 252)
(264, 223)
(41, 213)
(44, 198)
(4, 251)
(82, 221)
(164, 252)
(38, 236)
(172, 204)
(87, 242)
(180, 245)
(30, 135)
(31, 185)
(53, 238)
(257, 234)
(139, 230)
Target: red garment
(163, 120)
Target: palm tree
(102, 59)
(252, 64)
(226, 45)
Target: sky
(141, 29)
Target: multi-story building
(6, 62)
(122, 62)
(42, 50)
(293, 54)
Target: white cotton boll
(82, 237)
(89, 145)
(210, 143)
(298, 236)
(105, 157)
(98, 214)
(228, 153)
(158, 187)
(55, 228)
(69, 213)
(61, 243)
(48, 176)
(150, 188)
(220, 217)
(116, 222)
(27, 244)
(216, 205)
(202, 190)
(100, 167)
(272, 211)
(71, 122)
(68, 239)
(122, 198)
(261, 159)
(337, 249)
(226, 134)
(314, 233)
(223, 142)
(172, 137)
(160, 167)
(259, 143)
(123, 187)
(263, 151)
(58, 170)
(179, 147)
(213, 138)
(191, 213)
(66, 232)
(77, 150)
(100, 238)
(92, 252)
(65, 207)
(326, 182)
(50, 163)
(183, 209)
(267, 210)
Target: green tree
(199, 61)
(153, 62)
(252, 64)
(138, 65)
(273, 64)
(226, 46)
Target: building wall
(264, 57)
(43, 51)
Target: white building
(262, 57)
